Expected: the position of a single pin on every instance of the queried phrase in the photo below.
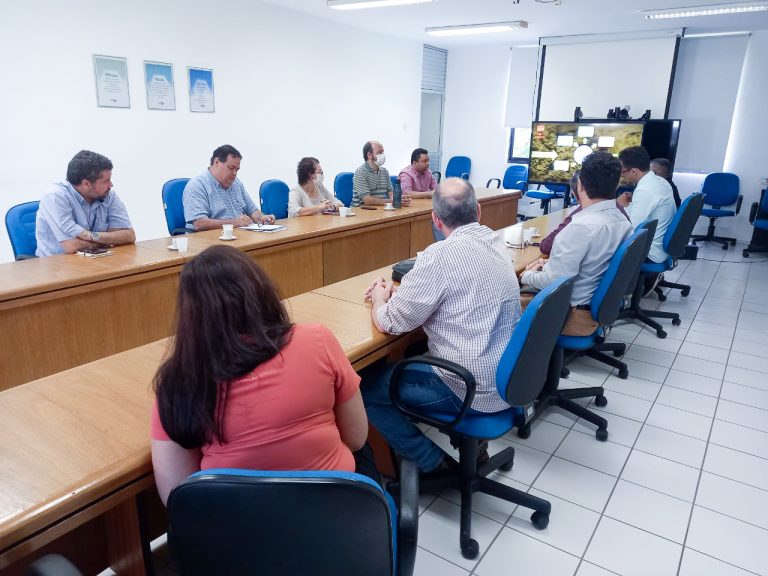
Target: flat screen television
(660, 139)
(559, 148)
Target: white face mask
(380, 159)
(319, 179)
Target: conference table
(77, 473)
(63, 311)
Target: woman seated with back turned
(243, 387)
(310, 196)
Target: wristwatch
(95, 236)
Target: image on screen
(559, 148)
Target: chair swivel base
(634, 312)
(710, 237)
(754, 248)
(684, 289)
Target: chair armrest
(21, 257)
(753, 212)
(438, 175)
(465, 176)
(498, 183)
(458, 370)
(739, 201)
(180, 231)
(521, 185)
(407, 517)
(52, 565)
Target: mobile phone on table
(95, 252)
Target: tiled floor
(681, 486)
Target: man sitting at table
(371, 184)
(464, 293)
(82, 212)
(663, 168)
(217, 196)
(417, 180)
(585, 247)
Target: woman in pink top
(242, 387)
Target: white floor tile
(527, 555)
(749, 362)
(697, 564)
(559, 416)
(746, 335)
(570, 526)
(632, 552)
(680, 421)
(606, 457)
(650, 340)
(736, 465)
(649, 510)
(751, 348)
(754, 307)
(754, 322)
(672, 446)
(625, 406)
(694, 383)
(686, 400)
(439, 532)
(620, 430)
(528, 464)
(487, 505)
(587, 569)
(632, 386)
(711, 328)
(699, 366)
(745, 395)
(740, 438)
(733, 499)
(588, 375)
(425, 500)
(665, 476)
(583, 486)
(709, 353)
(742, 415)
(729, 540)
(545, 436)
(646, 371)
(706, 339)
(428, 564)
(746, 377)
(650, 355)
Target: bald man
(464, 293)
(371, 184)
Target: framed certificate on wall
(161, 92)
(111, 74)
(201, 90)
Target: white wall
(475, 104)
(286, 85)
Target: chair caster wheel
(685, 291)
(539, 520)
(618, 353)
(733, 242)
(661, 334)
(662, 297)
(524, 432)
(601, 434)
(508, 466)
(676, 321)
(725, 246)
(564, 373)
(745, 254)
(601, 401)
(470, 550)
(624, 373)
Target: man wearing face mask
(217, 196)
(82, 212)
(371, 185)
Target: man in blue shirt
(217, 197)
(83, 211)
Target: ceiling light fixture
(361, 4)
(711, 10)
(468, 29)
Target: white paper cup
(227, 230)
(343, 211)
(528, 235)
(534, 230)
(514, 236)
(388, 206)
(181, 243)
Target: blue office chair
(20, 223)
(342, 187)
(719, 189)
(675, 240)
(515, 178)
(173, 206)
(552, 192)
(274, 198)
(519, 379)
(227, 521)
(605, 306)
(458, 167)
(758, 217)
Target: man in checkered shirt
(464, 293)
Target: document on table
(263, 227)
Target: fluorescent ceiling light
(711, 10)
(360, 4)
(468, 29)
(716, 34)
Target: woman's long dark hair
(229, 319)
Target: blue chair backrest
(522, 369)
(342, 187)
(514, 175)
(720, 189)
(225, 521)
(680, 229)
(20, 223)
(172, 204)
(458, 167)
(619, 277)
(274, 198)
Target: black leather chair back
(680, 229)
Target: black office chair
(284, 523)
(519, 379)
(606, 303)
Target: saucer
(227, 239)
(172, 247)
(385, 208)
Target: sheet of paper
(263, 227)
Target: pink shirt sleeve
(347, 380)
(406, 182)
(157, 432)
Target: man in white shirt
(464, 293)
(652, 198)
(585, 247)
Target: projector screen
(599, 76)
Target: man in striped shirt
(371, 184)
(464, 293)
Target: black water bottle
(397, 193)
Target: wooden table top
(74, 437)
